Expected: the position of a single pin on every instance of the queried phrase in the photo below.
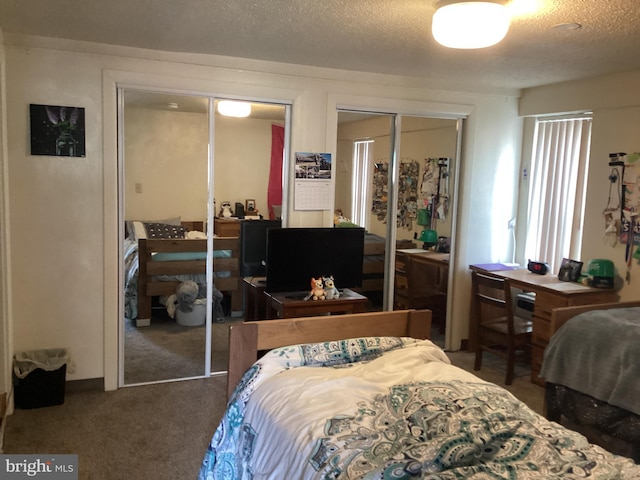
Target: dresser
(226, 227)
(550, 293)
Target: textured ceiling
(379, 36)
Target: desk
(289, 305)
(550, 293)
(421, 278)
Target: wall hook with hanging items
(629, 233)
(613, 204)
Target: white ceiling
(379, 36)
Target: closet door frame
(397, 109)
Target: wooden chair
(498, 330)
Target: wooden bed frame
(559, 316)
(148, 287)
(248, 338)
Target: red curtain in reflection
(274, 190)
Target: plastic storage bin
(39, 378)
(194, 318)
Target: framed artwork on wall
(57, 130)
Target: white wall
(64, 228)
(615, 103)
(242, 161)
(166, 157)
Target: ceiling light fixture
(470, 24)
(230, 108)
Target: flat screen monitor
(253, 246)
(295, 255)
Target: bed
(367, 396)
(591, 368)
(155, 266)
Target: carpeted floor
(161, 431)
(165, 350)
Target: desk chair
(498, 330)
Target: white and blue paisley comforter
(389, 408)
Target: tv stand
(292, 304)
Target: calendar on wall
(312, 186)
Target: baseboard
(86, 385)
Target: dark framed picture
(569, 270)
(250, 205)
(57, 131)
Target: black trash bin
(39, 378)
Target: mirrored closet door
(425, 153)
(181, 248)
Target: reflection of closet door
(416, 148)
(167, 169)
(164, 189)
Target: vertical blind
(559, 166)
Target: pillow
(135, 228)
(163, 230)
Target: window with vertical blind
(558, 180)
(362, 151)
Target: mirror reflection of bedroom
(427, 154)
(165, 165)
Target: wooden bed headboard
(246, 339)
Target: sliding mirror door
(177, 231)
(365, 143)
(426, 149)
(165, 141)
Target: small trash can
(39, 378)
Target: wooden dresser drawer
(541, 331)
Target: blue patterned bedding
(389, 408)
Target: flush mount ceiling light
(230, 108)
(471, 23)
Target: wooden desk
(421, 278)
(550, 293)
(292, 304)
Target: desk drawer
(537, 356)
(541, 333)
(545, 302)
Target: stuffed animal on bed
(317, 292)
(330, 290)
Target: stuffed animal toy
(225, 210)
(317, 292)
(330, 290)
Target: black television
(295, 255)
(253, 246)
